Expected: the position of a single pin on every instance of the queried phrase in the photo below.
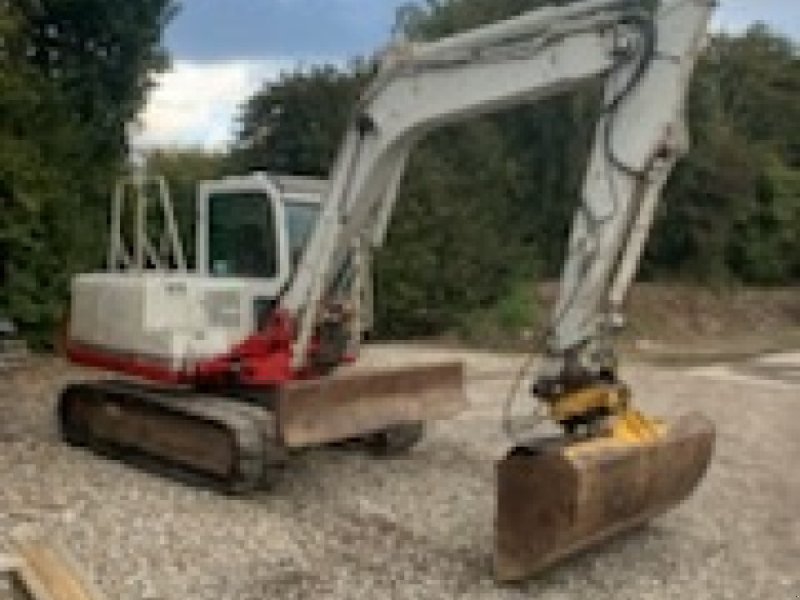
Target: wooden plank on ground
(46, 571)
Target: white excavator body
(249, 235)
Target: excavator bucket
(558, 499)
(353, 403)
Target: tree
(71, 75)
(732, 210)
(467, 228)
(294, 125)
(453, 246)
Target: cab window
(242, 236)
(301, 218)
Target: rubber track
(256, 454)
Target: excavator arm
(646, 58)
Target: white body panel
(173, 318)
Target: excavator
(228, 367)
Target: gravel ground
(343, 525)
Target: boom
(647, 59)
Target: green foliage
(294, 125)
(463, 240)
(732, 209)
(71, 75)
(448, 250)
(515, 318)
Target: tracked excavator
(231, 365)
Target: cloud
(195, 104)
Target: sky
(224, 50)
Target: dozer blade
(557, 500)
(352, 404)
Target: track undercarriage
(239, 442)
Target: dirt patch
(684, 324)
(667, 322)
(677, 312)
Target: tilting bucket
(557, 500)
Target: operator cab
(256, 227)
(251, 232)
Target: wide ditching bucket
(556, 500)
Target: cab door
(241, 236)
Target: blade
(351, 404)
